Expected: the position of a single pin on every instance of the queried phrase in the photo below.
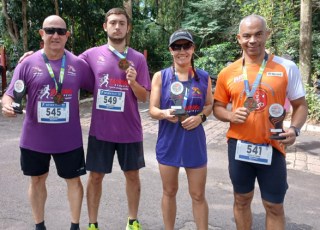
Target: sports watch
(296, 130)
(203, 117)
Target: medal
(58, 98)
(250, 104)
(123, 64)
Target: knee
(243, 201)
(95, 178)
(170, 191)
(198, 196)
(274, 209)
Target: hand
(191, 122)
(290, 137)
(25, 55)
(7, 111)
(131, 75)
(167, 114)
(240, 115)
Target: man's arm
(7, 109)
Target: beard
(117, 40)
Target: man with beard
(121, 79)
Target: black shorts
(100, 155)
(272, 178)
(68, 164)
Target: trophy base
(179, 112)
(18, 111)
(277, 137)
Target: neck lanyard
(117, 53)
(258, 77)
(58, 85)
(187, 89)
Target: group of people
(180, 98)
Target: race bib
(52, 113)
(254, 153)
(110, 100)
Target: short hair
(262, 19)
(117, 11)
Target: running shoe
(92, 227)
(134, 226)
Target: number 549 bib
(110, 100)
(254, 153)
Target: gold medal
(58, 98)
(123, 64)
(250, 104)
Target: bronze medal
(250, 104)
(123, 64)
(58, 98)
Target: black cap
(180, 35)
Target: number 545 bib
(254, 153)
(52, 113)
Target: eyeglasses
(185, 46)
(51, 31)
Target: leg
(275, 219)
(169, 177)
(94, 191)
(75, 196)
(197, 185)
(133, 190)
(38, 196)
(242, 210)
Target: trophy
(277, 114)
(18, 93)
(177, 90)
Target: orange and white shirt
(281, 78)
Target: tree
(305, 39)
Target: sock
(74, 226)
(95, 224)
(131, 221)
(40, 226)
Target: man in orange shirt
(257, 85)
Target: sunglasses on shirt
(51, 31)
(185, 46)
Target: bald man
(52, 78)
(257, 86)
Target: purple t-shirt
(115, 114)
(49, 127)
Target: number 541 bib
(254, 153)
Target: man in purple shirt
(52, 77)
(121, 80)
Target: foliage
(313, 101)
(213, 59)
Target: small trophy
(18, 93)
(277, 114)
(177, 89)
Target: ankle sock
(40, 226)
(95, 224)
(74, 226)
(131, 221)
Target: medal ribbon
(58, 85)
(258, 77)
(185, 97)
(116, 52)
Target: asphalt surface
(302, 202)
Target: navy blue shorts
(68, 164)
(272, 178)
(100, 155)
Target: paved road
(302, 202)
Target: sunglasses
(51, 31)
(185, 46)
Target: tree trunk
(127, 4)
(305, 39)
(56, 6)
(11, 25)
(25, 26)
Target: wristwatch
(203, 117)
(296, 130)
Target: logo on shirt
(261, 98)
(238, 78)
(36, 71)
(274, 74)
(104, 80)
(47, 93)
(101, 60)
(71, 71)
